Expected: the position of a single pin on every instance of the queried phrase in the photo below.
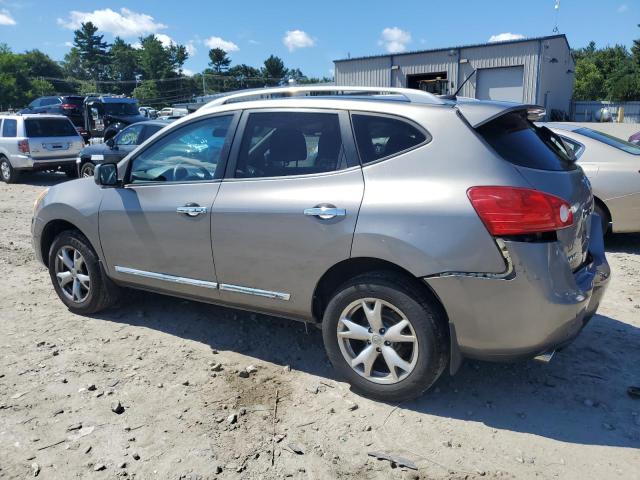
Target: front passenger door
(155, 231)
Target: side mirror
(106, 175)
(110, 143)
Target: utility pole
(204, 92)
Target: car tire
(421, 360)
(604, 218)
(8, 174)
(77, 275)
(87, 169)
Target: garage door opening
(435, 83)
(502, 83)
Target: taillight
(514, 211)
(68, 106)
(23, 146)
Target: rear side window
(610, 140)
(9, 128)
(379, 137)
(49, 127)
(519, 141)
(278, 144)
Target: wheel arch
(341, 272)
(49, 233)
(606, 210)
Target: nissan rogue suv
(415, 230)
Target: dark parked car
(117, 147)
(106, 115)
(70, 106)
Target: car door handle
(325, 212)
(192, 209)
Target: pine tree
(92, 50)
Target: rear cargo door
(52, 137)
(542, 159)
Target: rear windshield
(519, 141)
(121, 109)
(49, 127)
(610, 140)
(73, 100)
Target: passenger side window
(379, 137)
(190, 153)
(129, 136)
(276, 144)
(9, 128)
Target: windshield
(610, 140)
(121, 109)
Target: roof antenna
(454, 95)
(557, 9)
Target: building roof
(474, 45)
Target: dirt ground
(174, 367)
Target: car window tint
(378, 137)
(518, 141)
(49, 101)
(190, 153)
(276, 144)
(50, 127)
(9, 128)
(129, 136)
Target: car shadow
(623, 243)
(580, 397)
(42, 179)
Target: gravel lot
(174, 367)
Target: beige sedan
(613, 167)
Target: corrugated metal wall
(376, 71)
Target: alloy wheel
(5, 170)
(72, 274)
(87, 170)
(377, 340)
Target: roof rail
(409, 94)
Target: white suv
(37, 142)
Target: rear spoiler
(477, 113)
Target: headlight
(38, 201)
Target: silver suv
(37, 142)
(415, 230)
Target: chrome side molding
(203, 283)
(254, 291)
(166, 278)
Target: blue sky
(309, 35)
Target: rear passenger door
(287, 208)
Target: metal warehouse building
(534, 70)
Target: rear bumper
(541, 306)
(29, 163)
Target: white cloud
(68, 44)
(503, 37)
(253, 42)
(217, 42)
(394, 39)
(126, 23)
(6, 18)
(191, 48)
(623, 8)
(165, 39)
(187, 72)
(297, 39)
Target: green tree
(178, 55)
(14, 83)
(147, 93)
(273, 70)
(218, 60)
(72, 66)
(589, 83)
(155, 61)
(92, 50)
(123, 65)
